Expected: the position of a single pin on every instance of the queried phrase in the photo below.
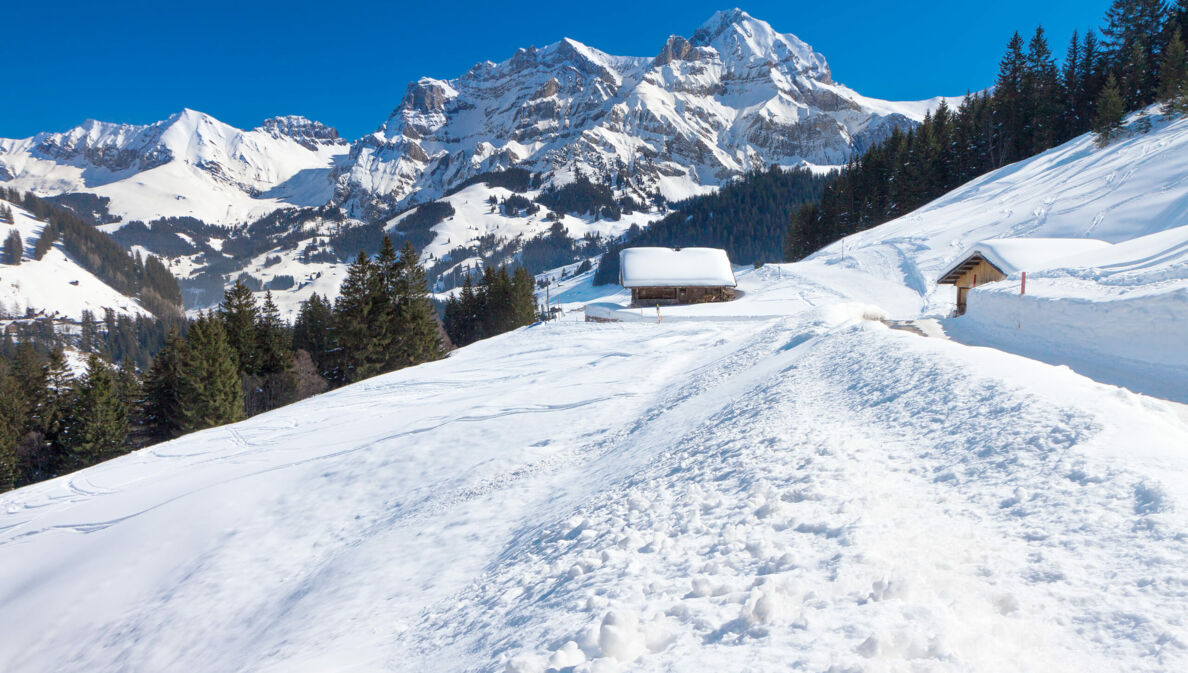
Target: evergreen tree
(359, 356)
(13, 248)
(162, 409)
(1133, 34)
(98, 425)
(87, 340)
(385, 328)
(418, 335)
(239, 314)
(11, 417)
(1010, 104)
(523, 297)
(210, 392)
(1043, 96)
(314, 333)
(1173, 76)
(273, 345)
(1107, 125)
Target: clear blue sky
(347, 63)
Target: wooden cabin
(666, 276)
(968, 274)
(997, 259)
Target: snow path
(801, 493)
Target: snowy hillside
(188, 165)
(55, 285)
(811, 490)
(1119, 314)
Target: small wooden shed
(676, 275)
(996, 259)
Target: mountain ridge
(734, 95)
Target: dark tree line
(500, 303)
(52, 422)
(226, 365)
(382, 320)
(748, 218)
(1035, 105)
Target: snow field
(813, 492)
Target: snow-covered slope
(55, 285)
(188, 165)
(734, 96)
(812, 491)
(1119, 313)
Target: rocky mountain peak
(305, 131)
(744, 41)
(427, 95)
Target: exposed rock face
(115, 147)
(733, 96)
(307, 132)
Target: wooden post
(1023, 285)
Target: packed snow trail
(805, 493)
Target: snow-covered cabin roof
(1012, 255)
(668, 267)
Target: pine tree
(239, 314)
(13, 248)
(418, 335)
(98, 426)
(1072, 81)
(1107, 125)
(314, 333)
(354, 311)
(523, 297)
(162, 410)
(1173, 76)
(385, 327)
(210, 392)
(1009, 104)
(11, 412)
(1133, 34)
(1042, 95)
(273, 347)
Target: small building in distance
(676, 275)
(995, 259)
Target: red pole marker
(1023, 285)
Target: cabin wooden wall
(981, 273)
(667, 296)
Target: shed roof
(668, 267)
(1012, 255)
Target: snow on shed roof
(1012, 255)
(684, 267)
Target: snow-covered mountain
(736, 94)
(188, 165)
(55, 285)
